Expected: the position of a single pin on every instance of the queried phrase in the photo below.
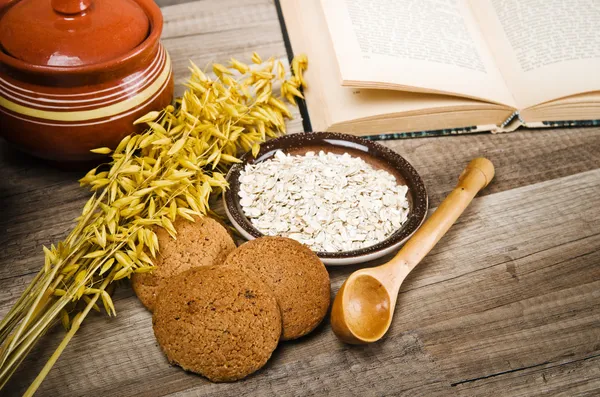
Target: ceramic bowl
(373, 153)
(75, 74)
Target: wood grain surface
(507, 304)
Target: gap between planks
(540, 366)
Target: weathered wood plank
(521, 306)
(501, 319)
(520, 158)
(574, 377)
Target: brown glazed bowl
(373, 153)
(75, 74)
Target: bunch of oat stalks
(169, 171)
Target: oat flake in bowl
(330, 202)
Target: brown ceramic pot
(75, 74)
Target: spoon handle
(478, 173)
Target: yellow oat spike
(79, 293)
(90, 176)
(95, 254)
(196, 86)
(163, 183)
(192, 202)
(280, 70)
(163, 141)
(216, 160)
(177, 146)
(123, 259)
(294, 91)
(151, 241)
(291, 99)
(197, 72)
(239, 66)
(151, 208)
(146, 141)
(157, 127)
(150, 116)
(108, 303)
(99, 238)
(145, 269)
(173, 211)
(255, 149)
(299, 64)
(168, 225)
(256, 58)
(64, 319)
(113, 191)
(176, 130)
(125, 201)
(123, 144)
(102, 150)
(122, 274)
(107, 265)
(69, 269)
(187, 213)
(229, 158)
(219, 69)
(281, 106)
(50, 255)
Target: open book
(382, 66)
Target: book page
(330, 103)
(413, 45)
(545, 49)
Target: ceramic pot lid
(72, 32)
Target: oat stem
(74, 328)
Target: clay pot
(75, 74)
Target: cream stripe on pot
(102, 112)
(13, 92)
(86, 122)
(23, 91)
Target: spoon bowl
(364, 306)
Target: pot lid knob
(72, 33)
(71, 6)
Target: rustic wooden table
(507, 304)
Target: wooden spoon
(363, 307)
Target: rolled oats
(327, 201)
